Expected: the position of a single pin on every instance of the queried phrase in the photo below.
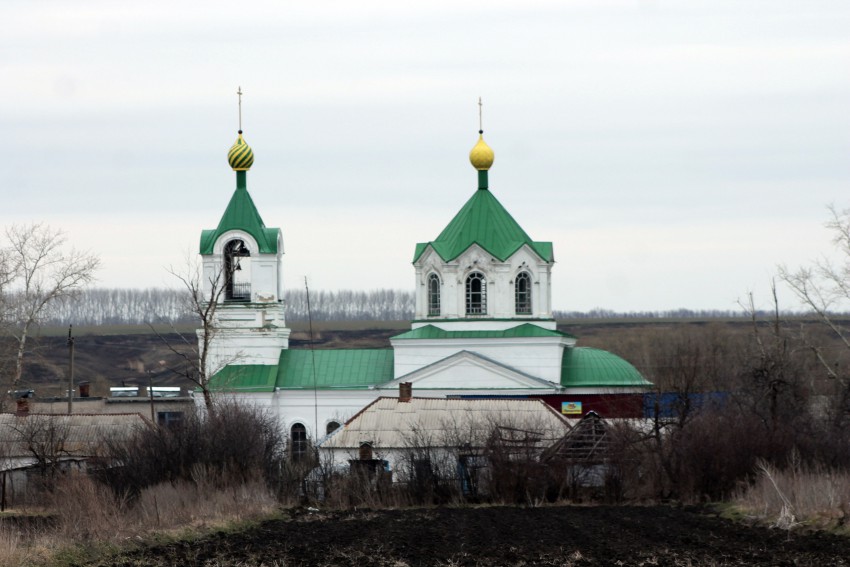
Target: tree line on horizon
(131, 306)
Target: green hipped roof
(348, 369)
(585, 367)
(242, 214)
(483, 221)
(526, 330)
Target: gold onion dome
(481, 155)
(240, 156)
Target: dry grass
(87, 514)
(812, 496)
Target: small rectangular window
(169, 418)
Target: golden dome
(240, 156)
(481, 155)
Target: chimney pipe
(405, 391)
(23, 407)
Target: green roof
(348, 369)
(245, 377)
(585, 367)
(525, 330)
(483, 221)
(242, 214)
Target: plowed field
(566, 536)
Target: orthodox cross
(480, 121)
(239, 92)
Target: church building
(483, 323)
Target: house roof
(388, 423)
(78, 435)
(585, 367)
(586, 442)
(242, 214)
(485, 222)
(524, 330)
(343, 368)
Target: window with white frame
(522, 293)
(433, 295)
(298, 442)
(476, 294)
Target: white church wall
(538, 357)
(500, 277)
(247, 333)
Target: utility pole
(150, 394)
(70, 371)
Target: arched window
(433, 295)
(522, 292)
(237, 283)
(331, 427)
(476, 294)
(298, 442)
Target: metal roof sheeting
(388, 423)
(350, 369)
(485, 222)
(585, 367)
(344, 368)
(242, 214)
(78, 435)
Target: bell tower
(242, 274)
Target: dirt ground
(565, 536)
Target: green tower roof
(483, 221)
(585, 367)
(242, 214)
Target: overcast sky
(673, 151)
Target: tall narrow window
(476, 294)
(433, 295)
(298, 442)
(237, 271)
(522, 289)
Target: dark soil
(565, 536)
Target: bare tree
(196, 354)
(39, 270)
(824, 288)
(45, 437)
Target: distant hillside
(122, 354)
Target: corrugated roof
(585, 367)
(524, 330)
(344, 368)
(242, 214)
(78, 435)
(388, 423)
(483, 221)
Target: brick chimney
(23, 407)
(405, 391)
(365, 451)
